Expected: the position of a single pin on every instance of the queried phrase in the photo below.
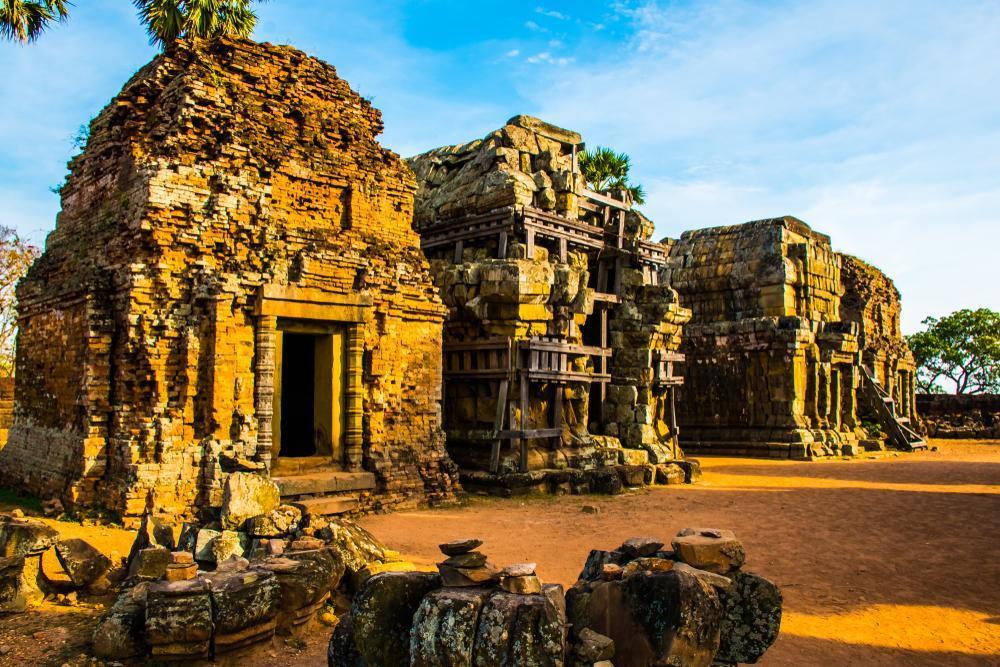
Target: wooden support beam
(558, 406)
(498, 426)
(523, 467)
(673, 420)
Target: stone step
(328, 506)
(324, 482)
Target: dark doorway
(298, 386)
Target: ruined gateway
(241, 279)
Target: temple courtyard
(881, 560)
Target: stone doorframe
(305, 303)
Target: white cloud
(551, 13)
(875, 123)
(546, 58)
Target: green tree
(167, 20)
(16, 255)
(963, 348)
(606, 170)
(24, 20)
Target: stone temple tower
(233, 283)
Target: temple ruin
(560, 343)
(754, 339)
(233, 284)
(789, 344)
(242, 280)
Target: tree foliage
(167, 20)
(24, 20)
(963, 348)
(16, 255)
(164, 20)
(606, 170)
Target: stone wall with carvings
(220, 171)
(770, 365)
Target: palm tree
(606, 170)
(167, 20)
(24, 20)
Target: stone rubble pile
(469, 613)
(688, 605)
(262, 568)
(635, 606)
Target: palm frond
(24, 20)
(167, 20)
(163, 19)
(606, 170)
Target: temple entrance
(298, 389)
(310, 392)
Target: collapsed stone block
(444, 627)
(709, 549)
(24, 537)
(653, 617)
(121, 632)
(82, 562)
(246, 496)
(381, 615)
(12, 598)
(751, 618)
(245, 606)
(305, 585)
(151, 564)
(520, 629)
(179, 623)
(279, 521)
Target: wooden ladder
(884, 406)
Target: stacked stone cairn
(470, 613)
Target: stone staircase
(325, 492)
(897, 427)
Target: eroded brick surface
(220, 172)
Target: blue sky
(876, 122)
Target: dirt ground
(882, 562)
(889, 561)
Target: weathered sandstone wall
(229, 189)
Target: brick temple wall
(221, 170)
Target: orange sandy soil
(882, 562)
(887, 561)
